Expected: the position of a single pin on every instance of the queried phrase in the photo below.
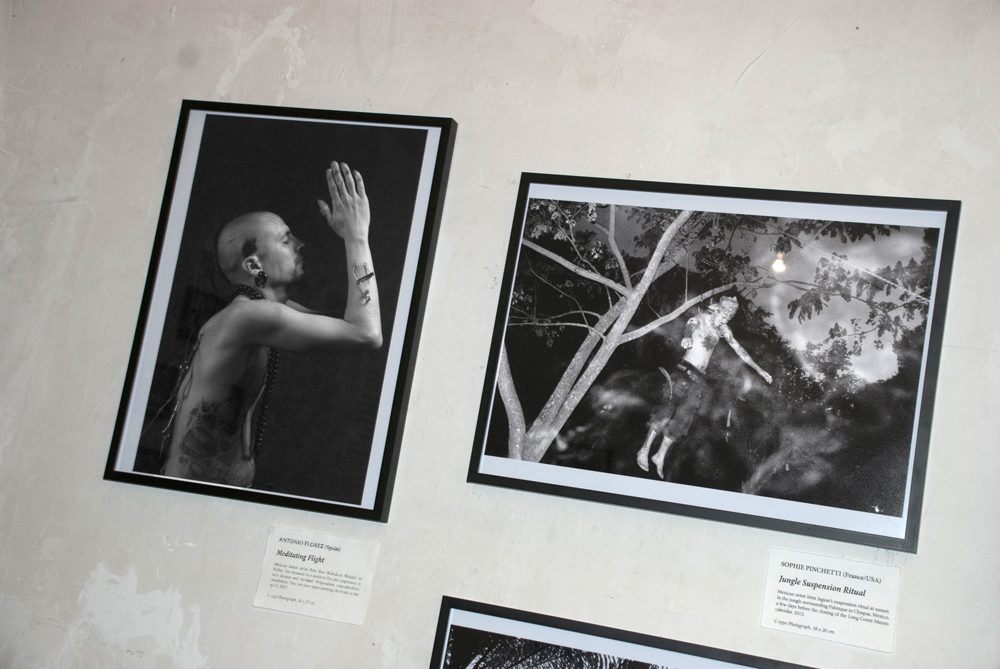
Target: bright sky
(873, 364)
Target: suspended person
(221, 405)
(684, 389)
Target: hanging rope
(685, 276)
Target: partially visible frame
(607, 280)
(483, 636)
(335, 423)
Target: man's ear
(251, 265)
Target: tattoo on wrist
(367, 274)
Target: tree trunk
(572, 372)
(542, 433)
(515, 414)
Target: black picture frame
(469, 629)
(335, 422)
(833, 444)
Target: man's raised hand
(347, 214)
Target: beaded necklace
(272, 370)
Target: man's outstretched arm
(349, 216)
(267, 323)
(727, 334)
(300, 308)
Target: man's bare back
(223, 385)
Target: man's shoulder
(253, 307)
(240, 315)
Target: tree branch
(575, 269)
(515, 414)
(571, 234)
(649, 327)
(572, 298)
(656, 257)
(613, 243)
(573, 312)
(572, 373)
(589, 328)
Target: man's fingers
(338, 179)
(324, 209)
(359, 184)
(348, 179)
(332, 185)
(346, 187)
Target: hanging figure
(221, 402)
(683, 391)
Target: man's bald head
(238, 240)
(725, 307)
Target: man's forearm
(750, 361)
(362, 291)
(757, 368)
(745, 357)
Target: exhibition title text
(806, 583)
(831, 572)
(316, 559)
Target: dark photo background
(323, 408)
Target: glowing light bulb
(779, 263)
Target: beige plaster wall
(896, 98)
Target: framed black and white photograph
(279, 324)
(759, 357)
(471, 635)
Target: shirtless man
(232, 366)
(683, 392)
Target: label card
(830, 598)
(317, 575)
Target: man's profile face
(280, 252)
(725, 310)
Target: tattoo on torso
(211, 448)
(215, 443)
(706, 334)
